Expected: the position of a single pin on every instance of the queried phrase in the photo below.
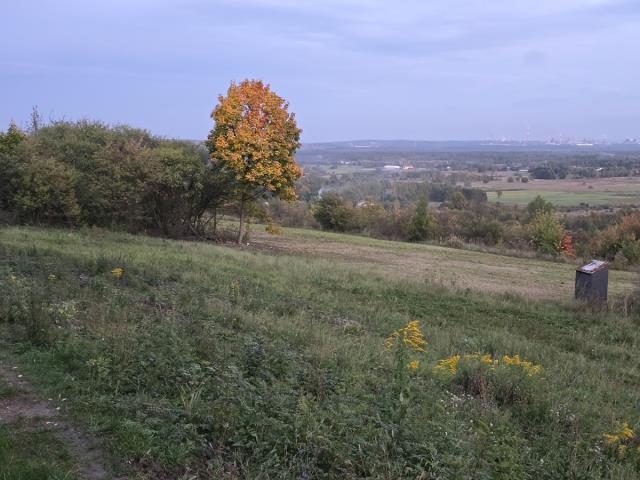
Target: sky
(350, 69)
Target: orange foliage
(566, 246)
(255, 137)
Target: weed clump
(505, 381)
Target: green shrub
(545, 233)
(333, 213)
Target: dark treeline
(88, 173)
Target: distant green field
(566, 199)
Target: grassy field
(459, 269)
(268, 361)
(566, 199)
(614, 191)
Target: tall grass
(217, 362)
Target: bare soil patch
(24, 406)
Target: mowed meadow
(283, 360)
(608, 191)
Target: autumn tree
(255, 138)
(621, 239)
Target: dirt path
(36, 413)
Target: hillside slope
(204, 361)
(461, 269)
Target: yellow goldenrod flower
(409, 336)
(487, 359)
(117, 272)
(610, 438)
(528, 367)
(626, 432)
(623, 434)
(413, 365)
(391, 340)
(622, 451)
(448, 365)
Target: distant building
(392, 167)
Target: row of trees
(88, 173)
(614, 236)
(458, 217)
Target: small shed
(592, 282)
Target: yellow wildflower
(622, 451)
(410, 336)
(488, 360)
(413, 365)
(117, 272)
(626, 432)
(611, 438)
(622, 434)
(528, 367)
(448, 365)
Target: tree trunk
(241, 229)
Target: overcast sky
(351, 69)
